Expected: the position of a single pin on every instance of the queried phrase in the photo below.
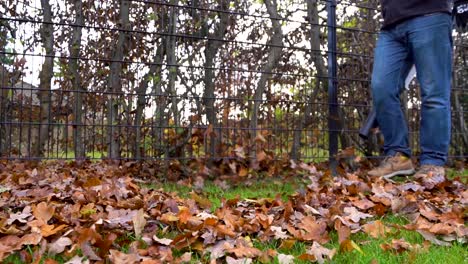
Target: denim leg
(431, 45)
(390, 64)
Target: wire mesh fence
(176, 79)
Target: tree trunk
(321, 77)
(73, 65)
(211, 50)
(273, 57)
(172, 61)
(45, 78)
(115, 84)
(155, 70)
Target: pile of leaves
(85, 212)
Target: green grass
(266, 189)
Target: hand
(460, 11)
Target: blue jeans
(425, 41)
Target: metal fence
(146, 79)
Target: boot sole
(402, 172)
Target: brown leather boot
(392, 166)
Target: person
(415, 32)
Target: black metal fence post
(332, 86)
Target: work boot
(392, 166)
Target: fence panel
(145, 79)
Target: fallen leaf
(285, 259)
(321, 253)
(397, 246)
(162, 241)
(279, 233)
(88, 251)
(431, 237)
(230, 260)
(343, 231)
(43, 212)
(287, 244)
(31, 239)
(58, 246)
(77, 260)
(349, 245)
(353, 214)
(375, 229)
(139, 222)
(20, 216)
(118, 257)
(8, 244)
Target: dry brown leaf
(321, 253)
(230, 260)
(349, 245)
(287, 244)
(88, 251)
(285, 259)
(43, 212)
(49, 230)
(20, 216)
(118, 257)
(343, 231)
(354, 215)
(363, 204)
(432, 238)
(397, 246)
(58, 246)
(279, 233)
(77, 260)
(162, 241)
(139, 222)
(375, 229)
(8, 244)
(31, 239)
(185, 258)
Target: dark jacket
(395, 11)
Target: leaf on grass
(314, 230)
(77, 260)
(431, 237)
(139, 222)
(230, 260)
(88, 251)
(353, 214)
(118, 257)
(285, 259)
(375, 229)
(185, 258)
(343, 231)
(279, 233)
(162, 241)
(58, 246)
(321, 253)
(243, 249)
(349, 245)
(287, 244)
(397, 246)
